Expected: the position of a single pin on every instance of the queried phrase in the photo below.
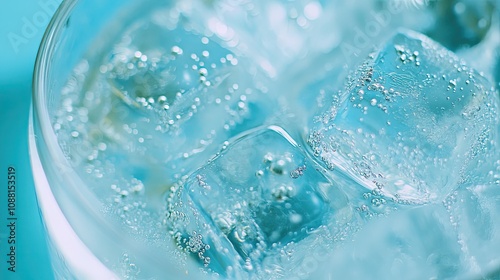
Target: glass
(265, 139)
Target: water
(277, 157)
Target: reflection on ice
(260, 195)
(412, 112)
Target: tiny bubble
(176, 50)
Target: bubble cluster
(193, 244)
(407, 56)
(129, 269)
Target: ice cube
(417, 243)
(446, 240)
(472, 210)
(283, 36)
(259, 195)
(163, 96)
(285, 29)
(411, 122)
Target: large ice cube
(259, 195)
(411, 122)
(162, 96)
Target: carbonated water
(265, 140)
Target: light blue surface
(22, 24)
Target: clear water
(263, 148)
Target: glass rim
(46, 201)
(41, 70)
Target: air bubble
(203, 71)
(295, 218)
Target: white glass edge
(77, 256)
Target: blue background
(22, 24)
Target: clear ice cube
(411, 122)
(259, 195)
(162, 96)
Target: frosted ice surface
(418, 243)
(452, 239)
